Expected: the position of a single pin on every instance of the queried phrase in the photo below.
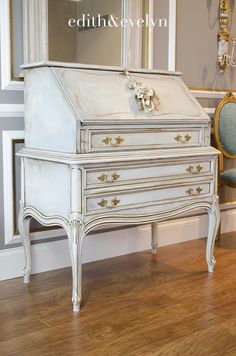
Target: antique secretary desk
(106, 145)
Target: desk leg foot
(26, 277)
(211, 265)
(214, 220)
(75, 238)
(76, 307)
(154, 228)
(24, 227)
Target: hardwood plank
(216, 340)
(133, 305)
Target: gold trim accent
(179, 138)
(108, 141)
(190, 169)
(199, 190)
(229, 98)
(104, 178)
(198, 170)
(104, 203)
(190, 191)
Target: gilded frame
(229, 98)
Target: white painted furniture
(92, 156)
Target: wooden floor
(132, 305)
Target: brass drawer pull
(198, 169)
(104, 203)
(191, 192)
(108, 141)
(104, 178)
(185, 139)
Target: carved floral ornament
(224, 58)
(145, 97)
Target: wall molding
(35, 30)
(172, 35)
(11, 110)
(55, 255)
(131, 38)
(7, 146)
(210, 111)
(5, 42)
(208, 94)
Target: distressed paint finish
(110, 166)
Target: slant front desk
(112, 146)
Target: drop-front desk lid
(99, 93)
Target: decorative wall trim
(11, 110)
(35, 30)
(208, 94)
(54, 255)
(8, 138)
(6, 81)
(210, 111)
(172, 35)
(131, 52)
(150, 36)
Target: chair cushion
(228, 176)
(227, 127)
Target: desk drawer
(118, 140)
(144, 197)
(119, 175)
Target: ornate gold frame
(229, 98)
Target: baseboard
(54, 255)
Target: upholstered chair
(224, 131)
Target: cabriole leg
(24, 229)
(75, 238)
(154, 238)
(214, 220)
